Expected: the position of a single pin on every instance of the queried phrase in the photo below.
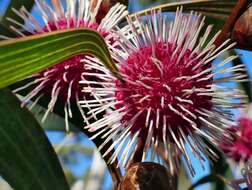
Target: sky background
(83, 162)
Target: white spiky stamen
(183, 34)
(77, 14)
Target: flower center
(164, 88)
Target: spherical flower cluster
(61, 81)
(170, 95)
(240, 148)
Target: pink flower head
(170, 94)
(61, 81)
(240, 148)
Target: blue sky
(84, 162)
(3, 4)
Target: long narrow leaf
(214, 8)
(20, 58)
(27, 159)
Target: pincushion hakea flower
(240, 148)
(61, 81)
(169, 94)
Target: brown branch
(230, 23)
(114, 170)
(138, 153)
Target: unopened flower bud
(243, 31)
(147, 176)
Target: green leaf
(27, 159)
(207, 179)
(22, 57)
(16, 4)
(219, 9)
